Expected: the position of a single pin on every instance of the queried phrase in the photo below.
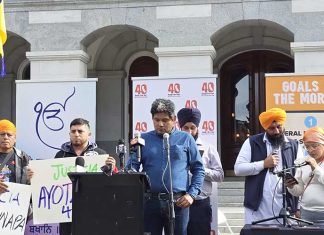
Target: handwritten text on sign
(14, 208)
(52, 188)
(295, 92)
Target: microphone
(299, 162)
(166, 141)
(107, 169)
(140, 142)
(121, 151)
(275, 151)
(79, 165)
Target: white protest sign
(14, 206)
(52, 188)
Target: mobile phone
(289, 176)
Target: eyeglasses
(311, 146)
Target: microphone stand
(171, 199)
(122, 162)
(284, 213)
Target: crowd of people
(194, 165)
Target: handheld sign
(14, 206)
(52, 188)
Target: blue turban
(189, 115)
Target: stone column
(309, 56)
(58, 64)
(182, 61)
(110, 108)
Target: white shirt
(312, 198)
(271, 202)
(213, 168)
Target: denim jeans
(156, 214)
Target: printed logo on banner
(191, 104)
(141, 127)
(140, 91)
(208, 89)
(208, 127)
(174, 90)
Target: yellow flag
(3, 32)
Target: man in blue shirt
(184, 157)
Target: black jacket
(68, 151)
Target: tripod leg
(300, 220)
(264, 220)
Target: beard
(196, 135)
(276, 140)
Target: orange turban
(272, 115)
(315, 134)
(6, 125)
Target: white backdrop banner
(44, 110)
(198, 92)
(14, 206)
(190, 92)
(52, 188)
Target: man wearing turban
(200, 211)
(13, 162)
(260, 157)
(310, 178)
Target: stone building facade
(239, 40)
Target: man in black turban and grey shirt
(201, 211)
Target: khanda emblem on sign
(48, 117)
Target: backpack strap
(6, 160)
(21, 159)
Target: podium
(108, 205)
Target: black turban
(189, 115)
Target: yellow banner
(3, 32)
(295, 92)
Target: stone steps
(230, 202)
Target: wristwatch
(193, 197)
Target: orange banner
(295, 92)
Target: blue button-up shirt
(184, 156)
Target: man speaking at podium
(184, 156)
(260, 157)
(80, 145)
